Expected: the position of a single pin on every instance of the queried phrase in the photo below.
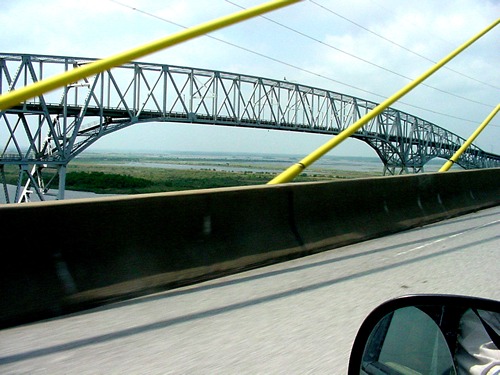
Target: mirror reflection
(433, 340)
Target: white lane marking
(446, 238)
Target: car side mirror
(429, 334)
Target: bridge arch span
(50, 130)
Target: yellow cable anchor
(293, 171)
(469, 141)
(22, 94)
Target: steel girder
(47, 132)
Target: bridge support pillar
(4, 184)
(62, 182)
(392, 170)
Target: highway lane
(296, 317)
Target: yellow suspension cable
(20, 95)
(469, 141)
(294, 170)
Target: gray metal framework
(47, 132)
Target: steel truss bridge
(47, 132)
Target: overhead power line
(292, 65)
(364, 60)
(401, 46)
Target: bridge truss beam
(47, 132)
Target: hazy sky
(365, 48)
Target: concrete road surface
(298, 317)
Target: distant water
(259, 162)
(237, 161)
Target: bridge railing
(111, 249)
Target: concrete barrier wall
(71, 255)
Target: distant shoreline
(181, 171)
(274, 163)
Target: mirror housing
(429, 334)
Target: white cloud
(97, 28)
